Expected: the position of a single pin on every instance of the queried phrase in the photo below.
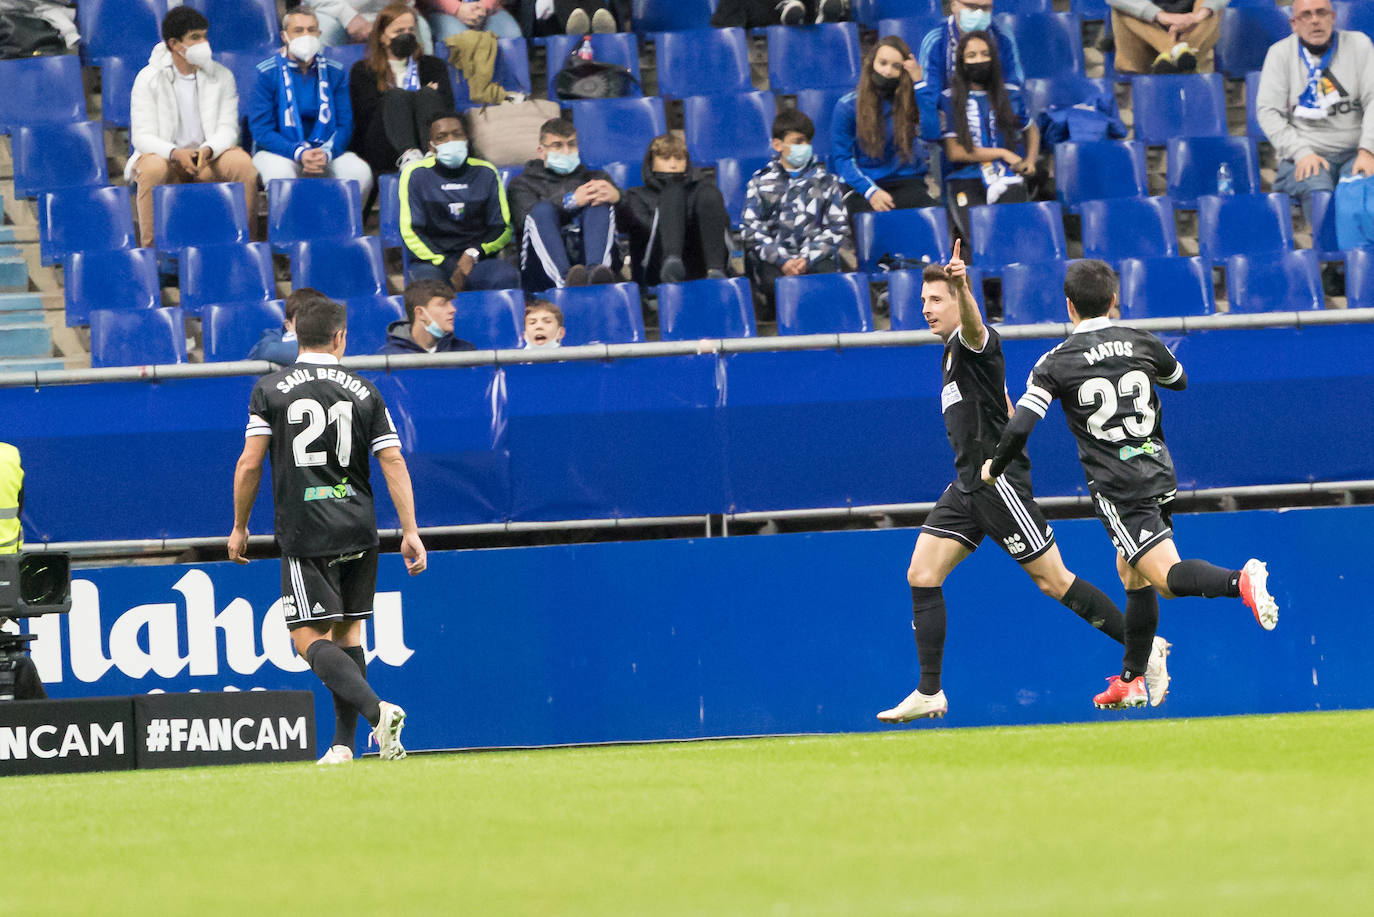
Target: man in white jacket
(185, 119)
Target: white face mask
(551, 342)
(304, 48)
(198, 54)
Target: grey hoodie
(1350, 123)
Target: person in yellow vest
(27, 684)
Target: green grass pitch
(1246, 815)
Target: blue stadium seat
(1266, 282)
(1150, 234)
(116, 88)
(736, 125)
(706, 309)
(348, 55)
(1246, 34)
(910, 29)
(620, 48)
(1354, 16)
(1164, 287)
(1252, 125)
(84, 219)
(1091, 10)
(1243, 224)
(120, 28)
(823, 304)
(118, 279)
(1048, 43)
(512, 71)
(1193, 163)
(137, 337)
(1359, 278)
(1098, 170)
(209, 213)
(607, 314)
(1007, 233)
(368, 317)
(225, 274)
(732, 178)
(1066, 89)
(239, 24)
(340, 268)
(41, 90)
(919, 234)
(1321, 216)
(813, 56)
(312, 208)
(616, 130)
(1019, 7)
(244, 66)
(904, 297)
(819, 106)
(1191, 105)
(702, 60)
(872, 13)
(48, 157)
(389, 209)
(228, 331)
(670, 15)
(1033, 292)
(490, 319)
(626, 174)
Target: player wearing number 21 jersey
(1105, 376)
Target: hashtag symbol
(159, 735)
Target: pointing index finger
(955, 256)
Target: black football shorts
(1004, 509)
(325, 590)
(1136, 526)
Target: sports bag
(593, 79)
(1354, 203)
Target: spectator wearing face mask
(428, 325)
(937, 57)
(676, 220)
(345, 22)
(543, 325)
(565, 214)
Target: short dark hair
(936, 273)
(557, 127)
(1090, 285)
(318, 318)
(793, 119)
(543, 305)
(441, 115)
(293, 301)
(421, 292)
(181, 20)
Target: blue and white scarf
(289, 116)
(1321, 92)
(410, 81)
(997, 175)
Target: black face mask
(979, 73)
(404, 45)
(886, 85)
(670, 176)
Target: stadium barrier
(690, 638)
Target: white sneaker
(578, 23)
(337, 754)
(408, 157)
(1157, 671)
(603, 22)
(387, 732)
(791, 12)
(917, 706)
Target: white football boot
(387, 732)
(917, 706)
(1157, 671)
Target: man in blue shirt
(936, 57)
(301, 115)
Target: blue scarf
(1320, 93)
(289, 115)
(997, 175)
(411, 81)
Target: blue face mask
(432, 328)
(974, 20)
(452, 154)
(562, 163)
(798, 155)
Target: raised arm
(971, 327)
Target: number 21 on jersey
(316, 419)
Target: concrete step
(29, 339)
(30, 364)
(21, 302)
(18, 317)
(14, 271)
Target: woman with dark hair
(990, 141)
(676, 221)
(873, 145)
(396, 90)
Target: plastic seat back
(1268, 282)
(732, 178)
(1007, 233)
(52, 156)
(1193, 164)
(225, 273)
(229, 330)
(490, 319)
(706, 309)
(702, 60)
(606, 314)
(312, 208)
(202, 213)
(907, 234)
(137, 337)
(1129, 227)
(119, 279)
(820, 56)
(84, 219)
(1033, 292)
(1048, 43)
(1164, 287)
(239, 24)
(1191, 105)
(1243, 224)
(736, 125)
(614, 130)
(41, 90)
(823, 304)
(340, 268)
(368, 318)
(1246, 35)
(621, 48)
(1097, 170)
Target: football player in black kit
(976, 406)
(323, 424)
(1105, 376)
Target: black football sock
(341, 676)
(1197, 577)
(928, 622)
(1092, 605)
(1142, 618)
(345, 714)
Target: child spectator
(344, 22)
(543, 325)
(873, 133)
(184, 117)
(565, 213)
(937, 57)
(794, 215)
(428, 325)
(990, 142)
(676, 221)
(396, 90)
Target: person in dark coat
(428, 325)
(676, 220)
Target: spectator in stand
(756, 14)
(349, 22)
(428, 325)
(1316, 102)
(990, 140)
(565, 214)
(279, 345)
(794, 216)
(937, 58)
(873, 133)
(1166, 36)
(676, 221)
(184, 116)
(454, 216)
(395, 91)
(543, 325)
(566, 17)
(301, 114)
(454, 17)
